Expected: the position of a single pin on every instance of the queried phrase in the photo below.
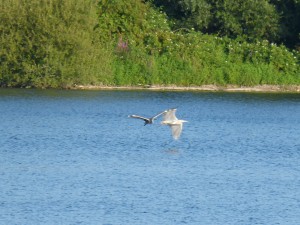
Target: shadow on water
(175, 147)
(172, 151)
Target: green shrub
(51, 44)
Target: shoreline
(204, 88)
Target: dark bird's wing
(139, 117)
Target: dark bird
(147, 120)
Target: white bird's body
(175, 124)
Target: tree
(289, 11)
(190, 14)
(251, 19)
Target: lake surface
(74, 157)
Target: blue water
(74, 157)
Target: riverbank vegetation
(60, 44)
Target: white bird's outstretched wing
(157, 115)
(176, 130)
(169, 115)
(138, 117)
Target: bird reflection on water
(172, 151)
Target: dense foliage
(272, 20)
(56, 43)
(50, 43)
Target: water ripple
(74, 157)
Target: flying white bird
(147, 120)
(171, 120)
